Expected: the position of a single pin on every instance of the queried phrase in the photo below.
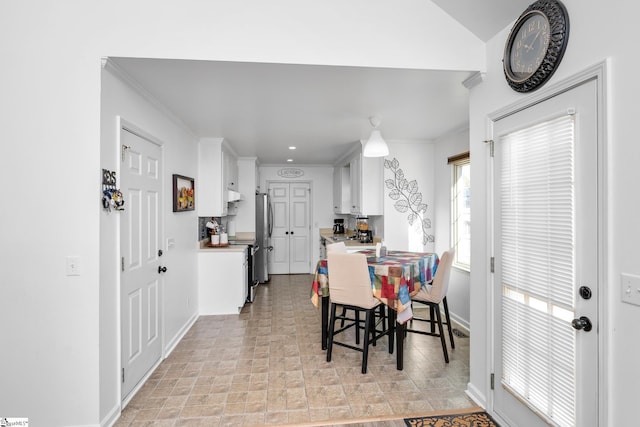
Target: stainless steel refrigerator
(264, 226)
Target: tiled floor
(266, 367)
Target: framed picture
(184, 197)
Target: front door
(140, 280)
(546, 262)
(291, 228)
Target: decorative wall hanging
(184, 197)
(407, 198)
(290, 172)
(111, 195)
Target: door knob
(582, 323)
(162, 269)
(292, 232)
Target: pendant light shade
(375, 145)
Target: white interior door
(141, 280)
(291, 228)
(546, 248)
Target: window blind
(538, 267)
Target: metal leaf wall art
(407, 198)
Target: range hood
(234, 196)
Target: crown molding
(473, 80)
(126, 78)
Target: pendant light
(375, 145)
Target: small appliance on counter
(338, 226)
(362, 230)
(365, 236)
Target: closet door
(291, 228)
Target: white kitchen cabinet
(230, 167)
(217, 174)
(366, 183)
(355, 184)
(222, 281)
(341, 190)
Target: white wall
(179, 291)
(321, 179)
(618, 322)
(51, 150)
(416, 159)
(446, 146)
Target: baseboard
(461, 323)
(111, 418)
(474, 394)
(178, 337)
(167, 351)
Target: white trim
(109, 65)
(597, 72)
(125, 125)
(475, 395)
(113, 416)
(178, 337)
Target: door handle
(162, 269)
(292, 232)
(582, 323)
(286, 232)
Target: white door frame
(311, 216)
(597, 72)
(123, 124)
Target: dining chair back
(440, 283)
(432, 297)
(337, 247)
(349, 280)
(350, 287)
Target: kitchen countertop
(237, 243)
(327, 233)
(202, 246)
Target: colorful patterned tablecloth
(394, 278)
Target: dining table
(395, 278)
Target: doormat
(473, 419)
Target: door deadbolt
(585, 292)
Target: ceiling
(262, 109)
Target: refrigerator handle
(270, 218)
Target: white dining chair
(432, 297)
(350, 288)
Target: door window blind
(538, 267)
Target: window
(461, 210)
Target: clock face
(536, 45)
(528, 46)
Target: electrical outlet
(73, 266)
(630, 288)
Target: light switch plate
(73, 266)
(630, 288)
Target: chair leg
(443, 339)
(448, 319)
(432, 316)
(392, 328)
(365, 348)
(357, 328)
(332, 321)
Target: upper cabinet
(217, 174)
(365, 184)
(230, 167)
(341, 190)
